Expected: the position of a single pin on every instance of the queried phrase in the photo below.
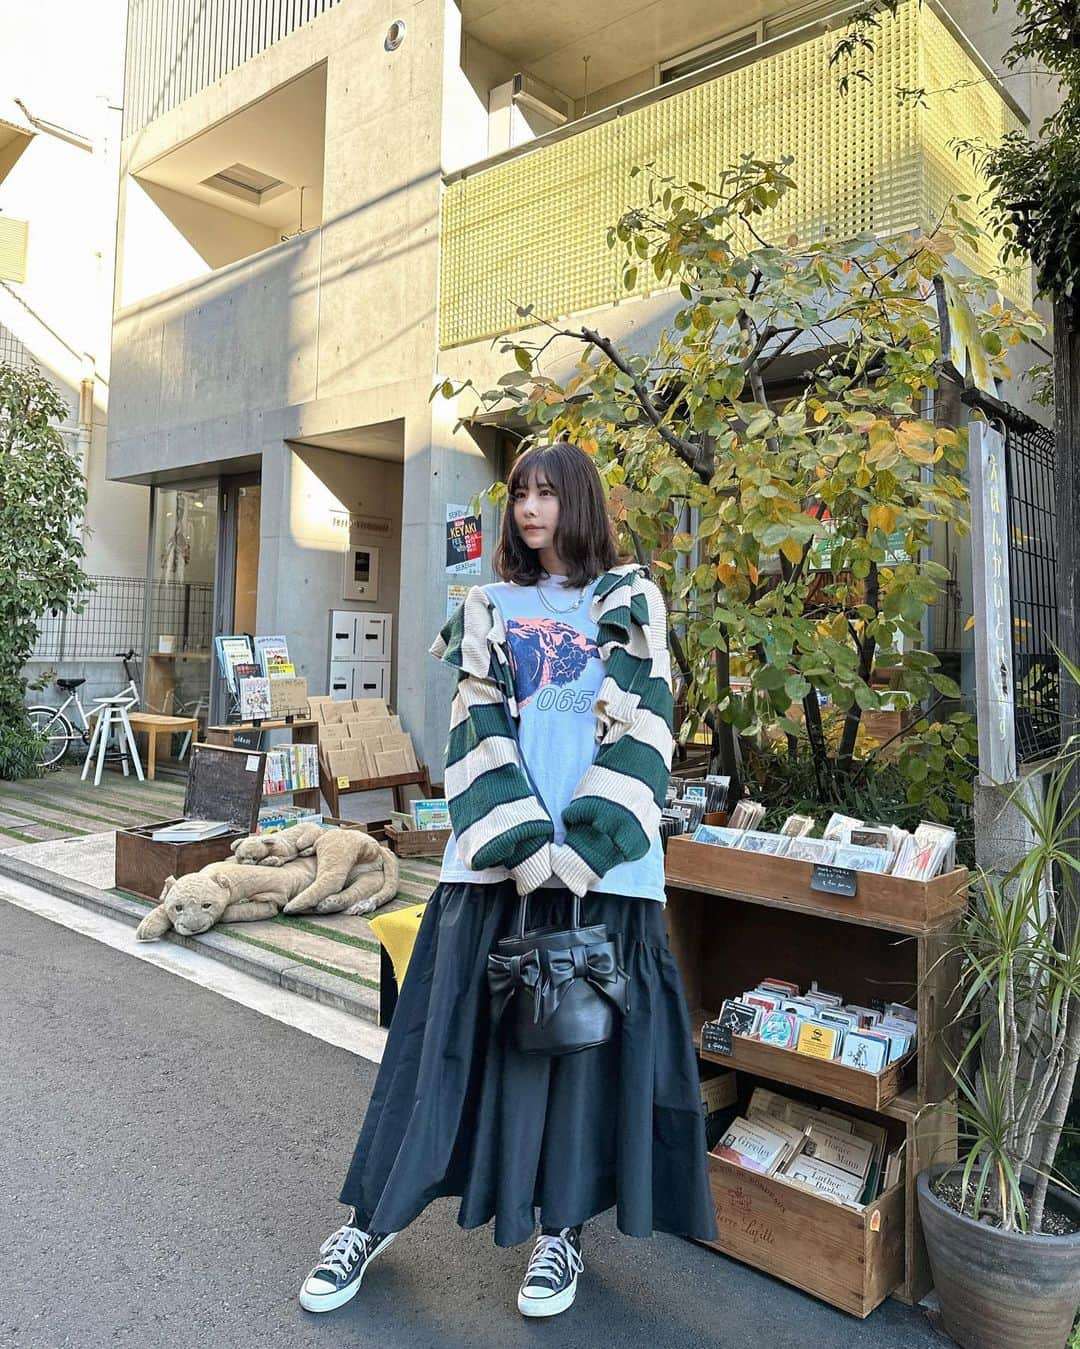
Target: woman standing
(558, 759)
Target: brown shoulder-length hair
(583, 536)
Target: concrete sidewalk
(51, 837)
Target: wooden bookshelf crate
(824, 1076)
(417, 842)
(850, 1258)
(879, 901)
(723, 944)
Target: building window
(698, 58)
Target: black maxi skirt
(456, 1110)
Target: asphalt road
(169, 1163)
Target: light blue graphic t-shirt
(557, 676)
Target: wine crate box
(223, 784)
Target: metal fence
(113, 619)
(1029, 469)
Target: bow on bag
(597, 964)
(506, 974)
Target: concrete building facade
(327, 208)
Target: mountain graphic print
(546, 652)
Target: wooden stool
(155, 724)
(111, 714)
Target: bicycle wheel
(56, 731)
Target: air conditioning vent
(247, 184)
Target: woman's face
(536, 513)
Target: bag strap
(523, 909)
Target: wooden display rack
(303, 730)
(335, 788)
(734, 918)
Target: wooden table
(155, 724)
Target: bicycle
(56, 730)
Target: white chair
(112, 716)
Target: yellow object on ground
(397, 931)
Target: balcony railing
(531, 229)
(13, 235)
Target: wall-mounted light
(395, 35)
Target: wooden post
(993, 613)
(1067, 505)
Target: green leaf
(915, 769)
(523, 358)
(949, 687)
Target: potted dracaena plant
(1002, 1235)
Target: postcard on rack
(811, 850)
(819, 1040)
(866, 1052)
(779, 1028)
(752, 841)
(861, 859)
(716, 834)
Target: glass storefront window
(180, 607)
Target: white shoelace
(549, 1258)
(342, 1250)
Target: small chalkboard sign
(834, 880)
(716, 1038)
(225, 784)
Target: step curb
(318, 985)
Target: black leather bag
(562, 986)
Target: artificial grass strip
(269, 946)
(345, 938)
(9, 809)
(119, 816)
(23, 838)
(304, 960)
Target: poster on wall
(455, 598)
(464, 541)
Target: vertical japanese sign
(464, 541)
(994, 692)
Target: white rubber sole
(547, 1306)
(328, 1302)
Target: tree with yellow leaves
(737, 496)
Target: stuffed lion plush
(283, 845)
(350, 872)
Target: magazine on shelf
(825, 1179)
(430, 814)
(272, 651)
(752, 1145)
(254, 699)
(232, 651)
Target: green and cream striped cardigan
(615, 811)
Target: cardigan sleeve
(497, 818)
(615, 810)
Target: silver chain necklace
(551, 608)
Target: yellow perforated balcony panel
(13, 235)
(532, 229)
(960, 104)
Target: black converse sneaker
(550, 1283)
(335, 1280)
